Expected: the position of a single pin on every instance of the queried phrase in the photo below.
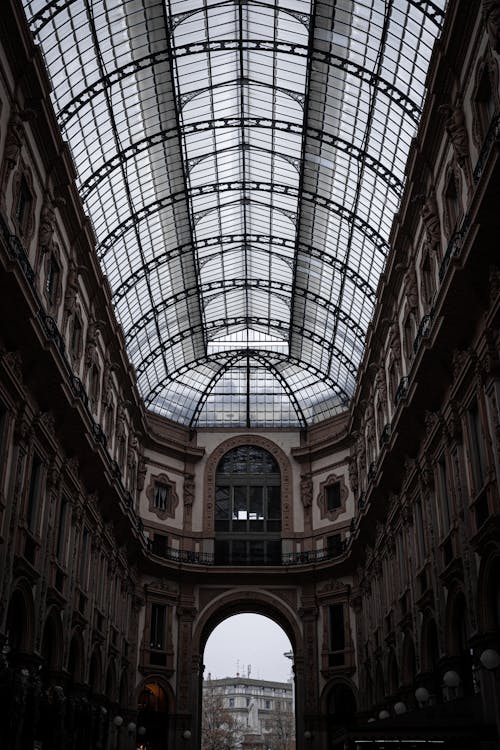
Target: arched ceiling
(241, 161)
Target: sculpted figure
(91, 345)
(13, 141)
(47, 226)
(430, 217)
(306, 490)
(455, 127)
(491, 14)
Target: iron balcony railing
(286, 559)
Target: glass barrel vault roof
(241, 162)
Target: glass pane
(240, 508)
(222, 503)
(256, 504)
(274, 502)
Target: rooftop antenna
(237, 667)
(249, 670)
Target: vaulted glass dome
(241, 163)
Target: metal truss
(265, 187)
(240, 354)
(314, 252)
(50, 9)
(162, 136)
(230, 362)
(265, 285)
(224, 323)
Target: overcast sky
(248, 640)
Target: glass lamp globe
(490, 659)
(384, 714)
(422, 694)
(118, 721)
(399, 708)
(451, 679)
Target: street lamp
(422, 695)
(118, 722)
(399, 708)
(490, 659)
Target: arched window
(248, 508)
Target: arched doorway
(152, 716)
(248, 690)
(341, 710)
(284, 615)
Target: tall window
(52, 279)
(61, 530)
(484, 104)
(248, 508)
(419, 530)
(452, 203)
(444, 496)
(336, 635)
(34, 492)
(157, 638)
(333, 499)
(161, 496)
(76, 336)
(427, 272)
(84, 555)
(476, 446)
(23, 206)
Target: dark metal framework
(242, 162)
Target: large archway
(256, 602)
(248, 689)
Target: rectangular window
(61, 530)
(419, 530)
(336, 634)
(76, 337)
(333, 501)
(160, 545)
(162, 493)
(23, 205)
(52, 280)
(334, 545)
(477, 447)
(444, 496)
(34, 492)
(84, 553)
(158, 613)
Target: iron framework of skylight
(242, 163)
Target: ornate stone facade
(93, 619)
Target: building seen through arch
(249, 362)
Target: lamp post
(490, 661)
(451, 680)
(422, 696)
(118, 722)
